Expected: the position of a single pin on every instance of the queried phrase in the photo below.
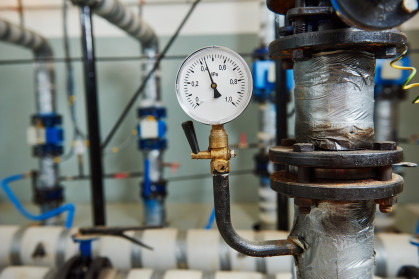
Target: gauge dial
(214, 85)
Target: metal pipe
(97, 191)
(267, 248)
(44, 95)
(334, 100)
(154, 209)
(281, 100)
(118, 14)
(340, 237)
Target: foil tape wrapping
(339, 240)
(334, 100)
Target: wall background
(234, 24)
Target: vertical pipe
(386, 118)
(97, 191)
(45, 105)
(281, 101)
(154, 208)
(340, 237)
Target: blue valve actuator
(152, 128)
(264, 79)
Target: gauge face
(214, 85)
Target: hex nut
(303, 147)
(385, 145)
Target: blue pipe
(210, 219)
(46, 215)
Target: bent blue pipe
(70, 208)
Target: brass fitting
(218, 150)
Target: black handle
(189, 130)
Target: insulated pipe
(334, 100)
(31, 272)
(251, 248)
(44, 95)
(334, 104)
(192, 249)
(118, 14)
(340, 240)
(121, 16)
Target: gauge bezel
(186, 108)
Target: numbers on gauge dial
(215, 85)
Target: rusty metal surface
(309, 12)
(267, 248)
(335, 159)
(350, 38)
(338, 174)
(336, 190)
(280, 6)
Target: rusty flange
(382, 43)
(285, 155)
(338, 190)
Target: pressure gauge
(214, 85)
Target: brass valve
(218, 150)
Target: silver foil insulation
(339, 240)
(334, 100)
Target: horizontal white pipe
(193, 249)
(30, 272)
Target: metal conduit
(267, 248)
(44, 94)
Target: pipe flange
(280, 6)
(384, 44)
(336, 190)
(285, 155)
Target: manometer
(214, 85)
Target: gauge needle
(213, 84)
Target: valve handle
(189, 130)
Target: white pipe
(30, 272)
(44, 78)
(121, 16)
(45, 92)
(193, 249)
(25, 272)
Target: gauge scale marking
(214, 85)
